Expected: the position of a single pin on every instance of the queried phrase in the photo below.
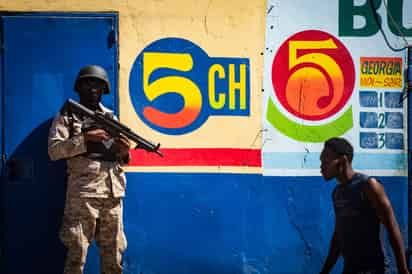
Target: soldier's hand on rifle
(123, 144)
(121, 148)
(96, 135)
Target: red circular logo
(313, 75)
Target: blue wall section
(175, 223)
(232, 223)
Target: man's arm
(60, 145)
(380, 201)
(333, 254)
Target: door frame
(114, 15)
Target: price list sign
(381, 118)
(332, 76)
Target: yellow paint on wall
(223, 28)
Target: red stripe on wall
(198, 157)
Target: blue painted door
(41, 56)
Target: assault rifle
(113, 127)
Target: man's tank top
(357, 226)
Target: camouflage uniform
(93, 208)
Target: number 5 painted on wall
(186, 88)
(314, 65)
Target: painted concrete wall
(209, 206)
(317, 67)
(218, 27)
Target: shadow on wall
(33, 196)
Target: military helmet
(93, 71)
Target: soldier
(96, 181)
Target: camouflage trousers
(86, 219)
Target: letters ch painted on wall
(175, 86)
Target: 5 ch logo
(175, 86)
(313, 77)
